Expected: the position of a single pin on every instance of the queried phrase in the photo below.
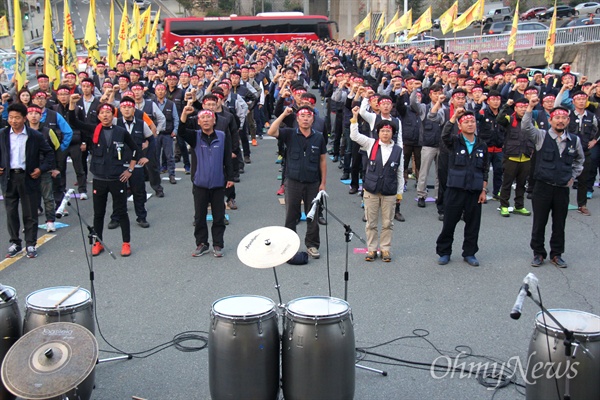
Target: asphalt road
(160, 291)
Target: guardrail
(499, 43)
(525, 40)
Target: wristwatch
(485, 190)
(130, 170)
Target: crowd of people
(389, 115)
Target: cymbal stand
(93, 238)
(277, 286)
(348, 234)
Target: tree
(418, 6)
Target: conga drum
(318, 350)
(10, 330)
(42, 308)
(550, 371)
(243, 349)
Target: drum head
(243, 306)
(580, 322)
(46, 299)
(318, 307)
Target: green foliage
(418, 6)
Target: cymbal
(49, 361)
(268, 247)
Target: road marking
(9, 261)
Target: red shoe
(97, 248)
(125, 250)
(254, 142)
(281, 191)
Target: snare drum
(41, 309)
(584, 377)
(243, 349)
(10, 331)
(318, 350)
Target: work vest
(553, 168)
(379, 178)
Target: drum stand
(569, 343)
(348, 234)
(93, 238)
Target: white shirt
(18, 143)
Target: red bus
(272, 26)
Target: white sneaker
(83, 196)
(50, 227)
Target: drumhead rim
(539, 324)
(244, 317)
(300, 315)
(37, 307)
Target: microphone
(530, 281)
(316, 201)
(5, 293)
(61, 209)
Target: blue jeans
(165, 143)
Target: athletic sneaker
(13, 250)
(313, 252)
(50, 227)
(97, 248)
(504, 212)
(31, 252)
(201, 250)
(125, 249)
(217, 251)
(83, 196)
(522, 211)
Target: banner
(91, 37)
(448, 17)
(512, 40)
(153, 41)
(549, 51)
(124, 34)
(386, 31)
(112, 48)
(422, 24)
(19, 42)
(51, 63)
(363, 25)
(473, 13)
(69, 48)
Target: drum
(41, 309)
(547, 359)
(10, 331)
(318, 350)
(243, 349)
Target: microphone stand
(93, 238)
(348, 234)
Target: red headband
(477, 89)
(559, 112)
(310, 100)
(549, 98)
(465, 118)
(522, 80)
(42, 94)
(305, 111)
(387, 126)
(206, 112)
(582, 95)
(160, 84)
(382, 101)
(106, 107)
(127, 104)
(34, 109)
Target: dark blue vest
(383, 179)
(553, 168)
(209, 171)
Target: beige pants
(374, 203)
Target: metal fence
(499, 43)
(525, 40)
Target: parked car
(530, 14)
(581, 22)
(561, 12)
(587, 8)
(142, 4)
(498, 14)
(527, 26)
(494, 28)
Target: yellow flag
(422, 24)
(19, 42)
(473, 13)
(4, 27)
(363, 25)
(145, 27)
(91, 37)
(448, 17)
(51, 66)
(69, 48)
(153, 41)
(134, 27)
(549, 51)
(112, 48)
(124, 33)
(404, 22)
(380, 26)
(512, 40)
(386, 31)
